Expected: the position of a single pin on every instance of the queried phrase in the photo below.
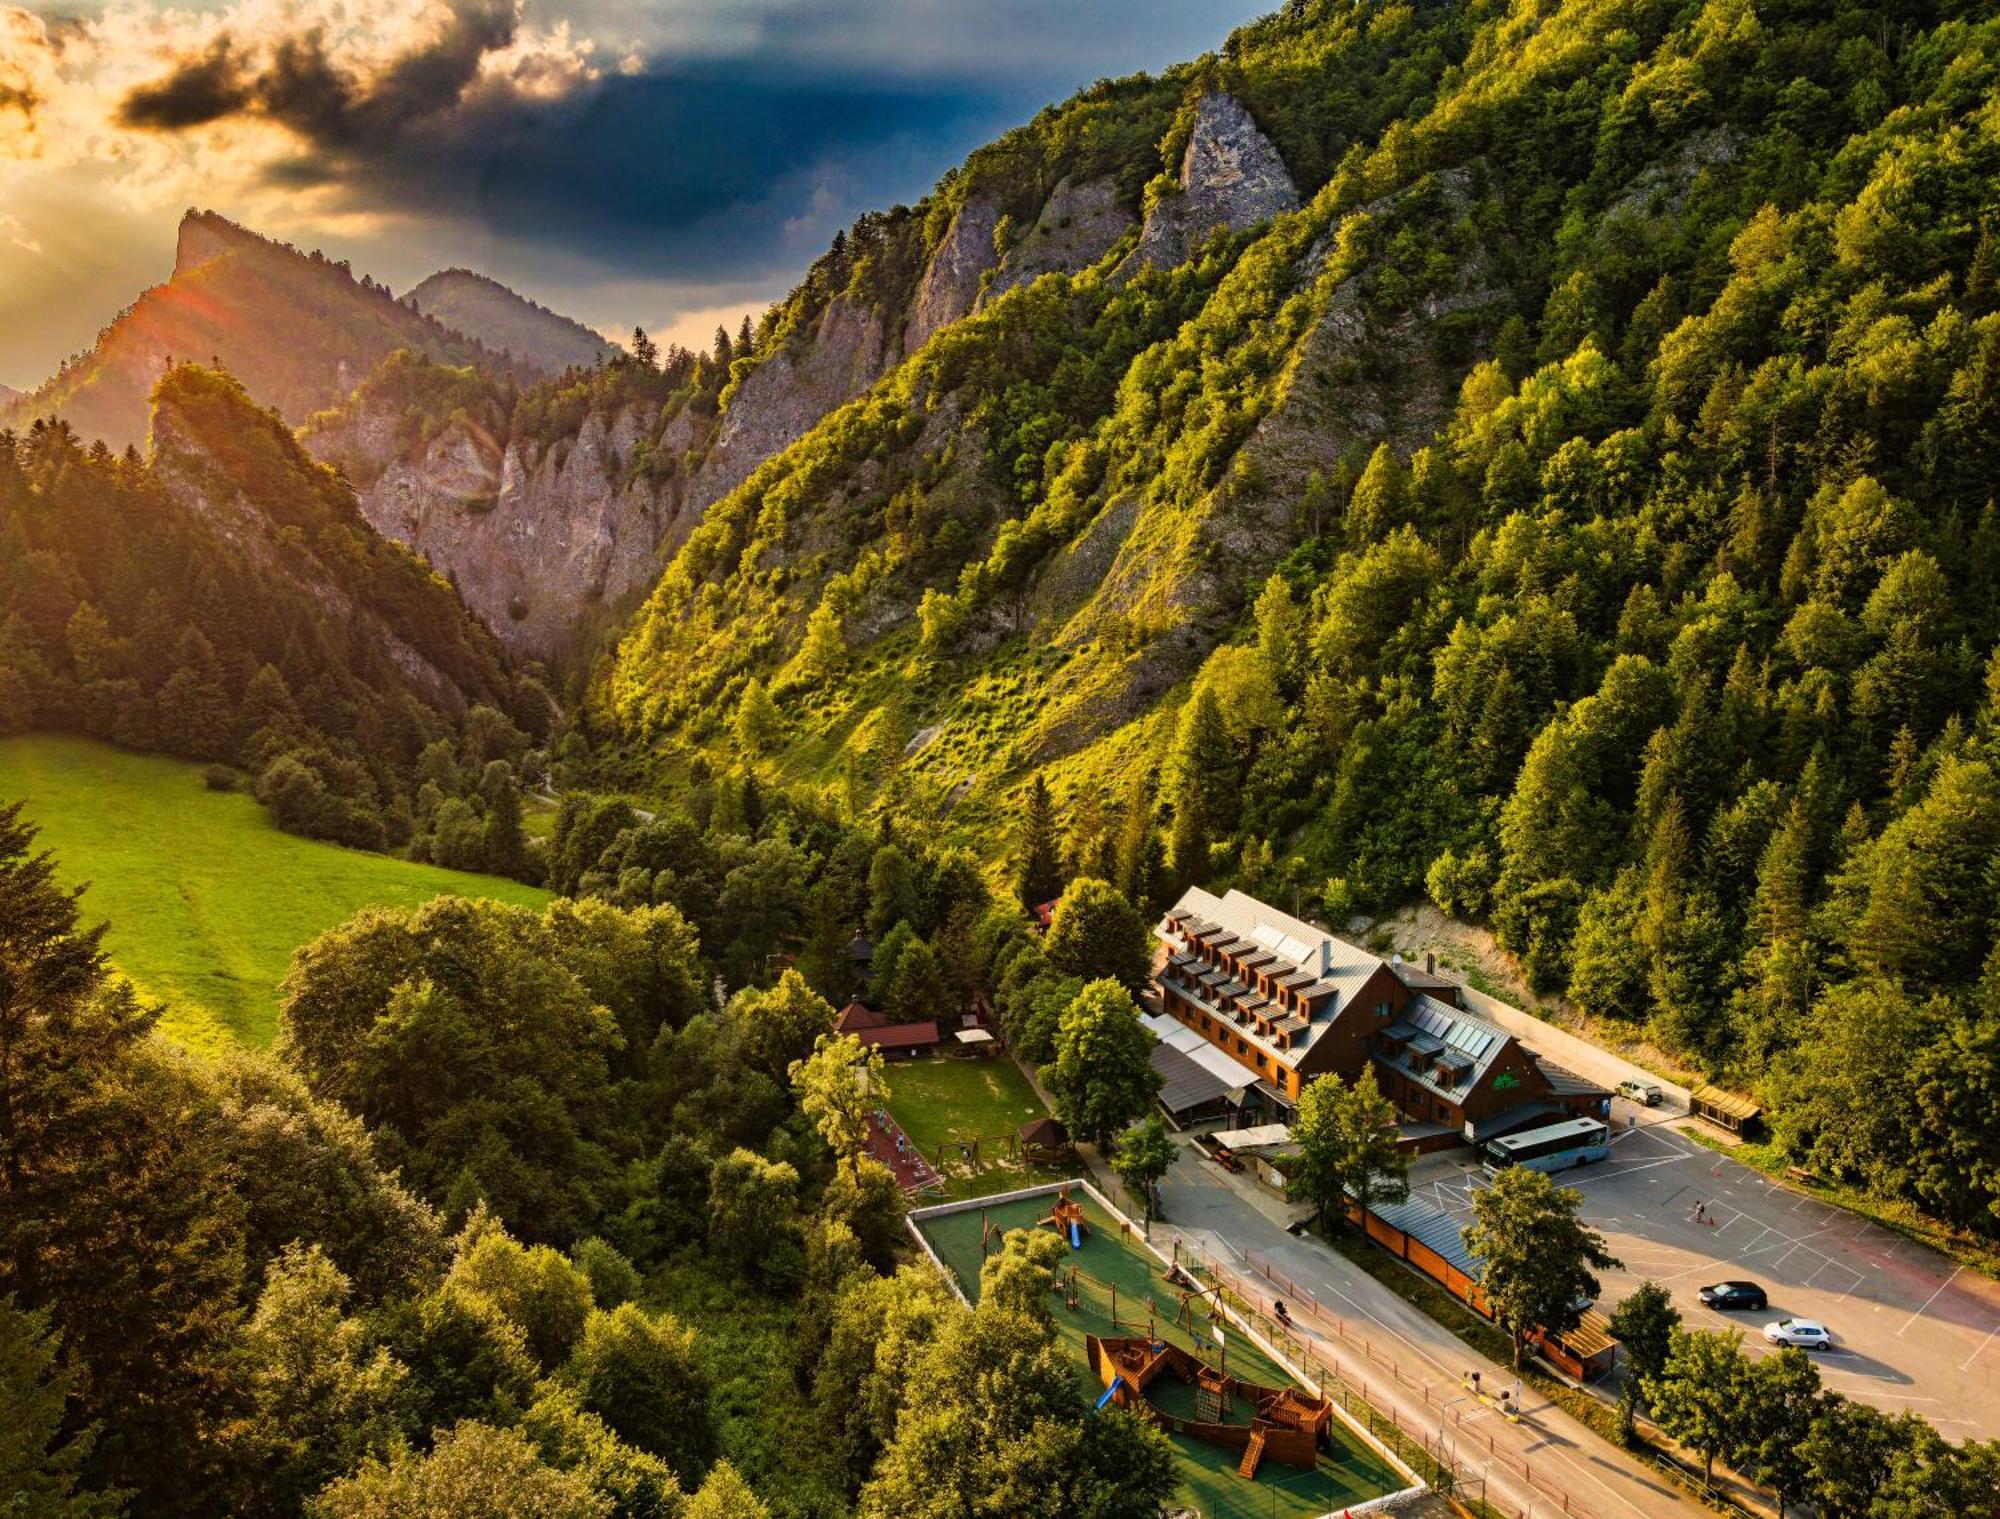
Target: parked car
(1734, 1297)
(1643, 1092)
(1803, 1333)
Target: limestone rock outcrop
(1231, 176)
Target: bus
(1554, 1147)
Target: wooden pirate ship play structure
(1151, 1376)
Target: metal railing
(1353, 1371)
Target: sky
(666, 163)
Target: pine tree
(39, 1469)
(1037, 868)
(1204, 786)
(1381, 499)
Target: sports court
(1111, 1263)
(1912, 1331)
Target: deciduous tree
(1537, 1257)
(1346, 1142)
(1102, 1077)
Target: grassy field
(206, 900)
(941, 1102)
(1349, 1472)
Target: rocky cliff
(789, 389)
(543, 541)
(1231, 178)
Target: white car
(1645, 1093)
(1803, 1333)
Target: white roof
(1333, 962)
(973, 1036)
(1251, 1139)
(1176, 1035)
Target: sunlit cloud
(169, 105)
(656, 161)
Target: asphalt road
(1912, 1331)
(1596, 1477)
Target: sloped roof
(1435, 1030)
(1184, 1084)
(898, 1036)
(1325, 967)
(856, 1016)
(1564, 1082)
(1172, 1032)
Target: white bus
(1554, 1147)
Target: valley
(637, 870)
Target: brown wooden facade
(1290, 1021)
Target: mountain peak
(297, 328)
(507, 321)
(205, 235)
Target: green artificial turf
(1349, 1472)
(206, 899)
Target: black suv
(1729, 1297)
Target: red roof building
(878, 1033)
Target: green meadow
(206, 899)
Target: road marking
(1929, 1300)
(1982, 1345)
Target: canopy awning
(973, 1036)
(1253, 1138)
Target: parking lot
(1911, 1331)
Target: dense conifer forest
(1635, 598)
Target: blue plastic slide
(1075, 1236)
(1109, 1393)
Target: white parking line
(1982, 1346)
(1929, 1300)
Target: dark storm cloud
(683, 170)
(201, 90)
(724, 167)
(328, 107)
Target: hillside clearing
(206, 899)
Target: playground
(1115, 1304)
(963, 1118)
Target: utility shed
(1726, 1110)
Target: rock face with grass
(790, 389)
(956, 266)
(1081, 221)
(543, 541)
(1231, 177)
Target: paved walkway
(1407, 1364)
(893, 1148)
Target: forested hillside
(519, 1218)
(1577, 508)
(223, 600)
